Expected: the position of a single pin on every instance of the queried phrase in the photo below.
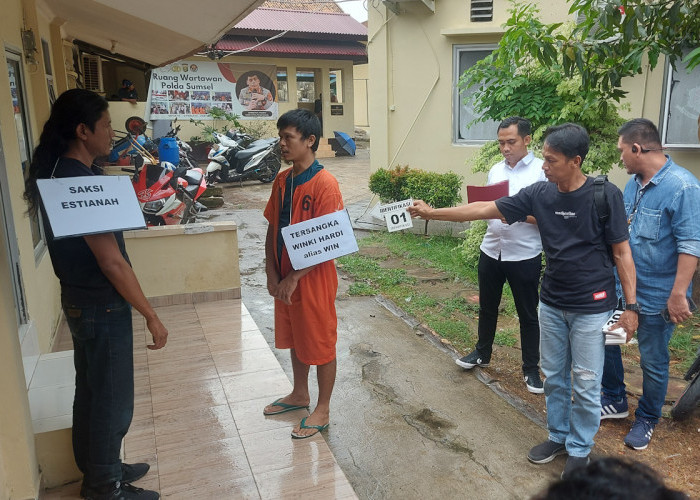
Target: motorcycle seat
(193, 177)
(250, 151)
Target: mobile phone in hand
(667, 317)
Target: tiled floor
(198, 416)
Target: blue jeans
(572, 342)
(653, 335)
(104, 387)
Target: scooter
(230, 161)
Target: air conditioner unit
(92, 72)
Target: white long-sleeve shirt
(519, 241)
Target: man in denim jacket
(662, 201)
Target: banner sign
(190, 89)
(319, 240)
(396, 215)
(78, 206)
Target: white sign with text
(319, 240)
(396, 215)
(78, 206)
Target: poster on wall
(190, 89)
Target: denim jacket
(664, 221)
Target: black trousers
(523, 276)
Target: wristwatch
(632, 307)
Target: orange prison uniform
(309, 325)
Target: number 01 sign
(397, 216)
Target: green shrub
(472, 241)
(438, 190)
(402, 182)
(388, 184)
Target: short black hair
(304, 121)
(524, 125)
(569, 139)
(611, 477)
(641, 131)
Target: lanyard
(637, 199)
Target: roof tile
(302, 22)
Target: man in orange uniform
(305, 317)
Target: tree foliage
(514, 80)
(613, 37)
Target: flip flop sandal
(285, 408)
(319, 428)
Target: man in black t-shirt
(128, 92)
(578, 289)
(98, 289)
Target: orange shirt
(309, 325)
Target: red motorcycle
(167, 194)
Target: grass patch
(684, 344)
(362, 289)
(506, 336)
(449, 318)
(454, 318)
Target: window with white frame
(681, 106)
(464, 57)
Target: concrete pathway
(406, 422)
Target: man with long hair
(98, 289)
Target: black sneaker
(573, 463)
(134, 472)
(534, 383)
(120, 491)
(473, 359)
(546, 452)
(130, 474)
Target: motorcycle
(688, 402)
(231, 160)
(167, 194)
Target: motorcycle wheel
(688, 401)
(272, 166)
(135, 125)
(189, 214)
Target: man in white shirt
(511, 253)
